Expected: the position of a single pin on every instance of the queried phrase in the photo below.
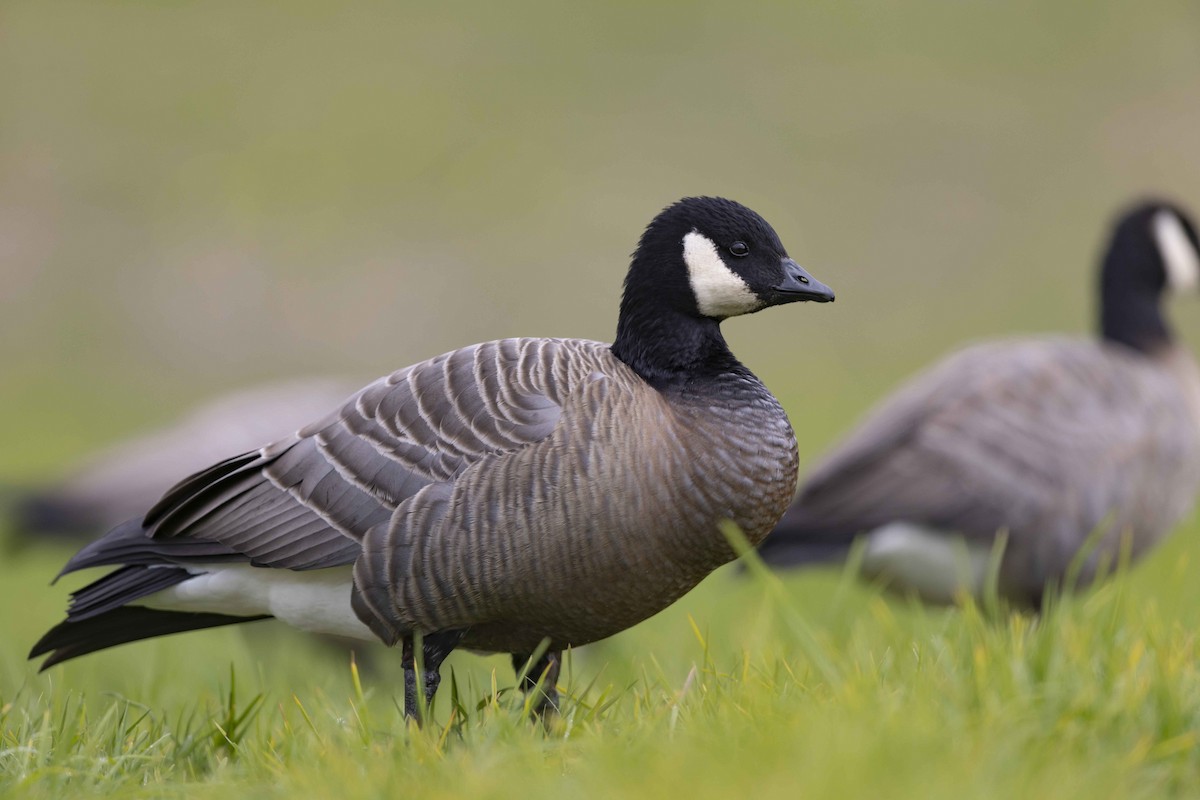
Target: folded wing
(307, 501)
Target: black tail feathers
(73, 638)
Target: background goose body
(496, 496)
(124, 479)
(1061, 444)
(1047, 440)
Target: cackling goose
(1074, 448)
(517, 496)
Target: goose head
(699, 262)
(714, 258)
(1154, 250)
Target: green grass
(812, 686)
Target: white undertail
(936, 565)
(315, 600)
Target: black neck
(1131, 303)
(668, 347)
(1136, 322)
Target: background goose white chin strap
(1178, 254)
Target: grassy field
(196, 196)
(810, 687)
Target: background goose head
(700, 261)
(1154, 250)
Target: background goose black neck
(1132, 282)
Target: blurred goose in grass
(518, 496)
(123, 480)
(1073, 449)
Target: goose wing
(491, 545)
(1049, 436)
(306, 502)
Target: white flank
(720, 293)
(936, 565)
(1178, 254)
(316, 600)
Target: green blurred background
(200, 196)
(197, 196)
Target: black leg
(411, 710)
(434, 649)
(436, 646)
(544, 671)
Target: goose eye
(739, 249)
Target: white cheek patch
(1178, 254)
(719, 291)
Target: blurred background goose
(1072, 449)
(123, 480)
(519, 496)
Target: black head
(1154, 249)
(1154, 245)
(700, 261)
(715, 258)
